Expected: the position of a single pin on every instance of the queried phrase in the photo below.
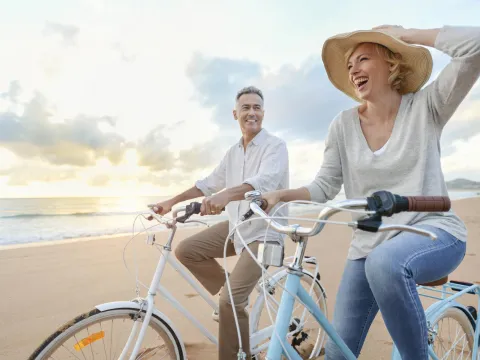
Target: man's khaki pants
(198, 254)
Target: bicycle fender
(434, 310)
(136, 305)
(438, 310)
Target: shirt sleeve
(329, 179)
(216, 181)
(272, 168)
(445, 94)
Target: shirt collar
(257, 140)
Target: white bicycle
(137, 330)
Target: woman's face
(368, 72)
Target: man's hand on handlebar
(215, 204)
(162, 208)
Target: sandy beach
(44, 286)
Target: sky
(128, 98)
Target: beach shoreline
(69, 241)
(51, 221)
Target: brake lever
(407, 228)
(190, 209)
(254, 196)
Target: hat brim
(417, 58)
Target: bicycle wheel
(451, 335)
(103, 335)
(305, 333)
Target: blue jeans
(386, 280)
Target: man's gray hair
(249, 90)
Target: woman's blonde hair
(398, 70)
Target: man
(259, 161)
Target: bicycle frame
(279, 346)
(278, 343)
(155, 286)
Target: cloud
(68, 33)
(464, 124)
(304, 168)
(125, 55)
(78, 141)
(299, 102)
(153, 150)
(216, 82)
(82, 140)
(206, 155)
(26, 173)
(167, 178)
(100, 180)
(461, 162)
(14, 90)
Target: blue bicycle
(453, 328)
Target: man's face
(249, 113)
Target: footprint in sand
(204, 351)
(201, 351)
(190, 295)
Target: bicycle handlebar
(191, 209)
(382, 203)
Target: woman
(391, 142)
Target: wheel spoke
(76, 341)
(103, 341)
(91, 347)
(68, 350)
(111, 340)
(452, 343)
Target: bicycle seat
(438, 282)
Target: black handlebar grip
(428, 203)
(196, 207)
(190, 209)
(264, 204)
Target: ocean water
(38, 220)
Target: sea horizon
(55, 219)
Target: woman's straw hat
(417, 58)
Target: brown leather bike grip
(428, 203)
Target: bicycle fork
(148, 312)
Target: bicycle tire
(457, 315)
(320, 298)
(81, 322)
